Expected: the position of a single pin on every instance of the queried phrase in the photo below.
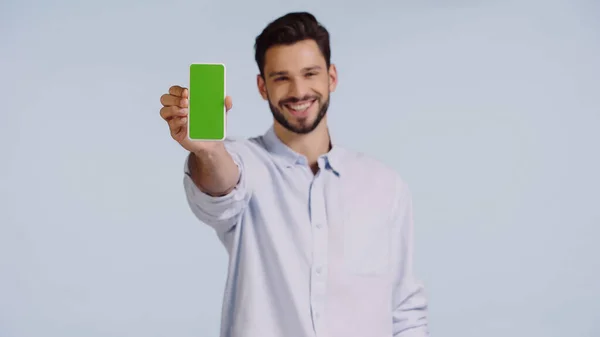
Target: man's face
(297, 84)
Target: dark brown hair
(289, 29)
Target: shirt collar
(331, 159)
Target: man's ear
(333, 78)
(262, 86)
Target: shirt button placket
(319, 235)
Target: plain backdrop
(490, 110)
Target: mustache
(298, 99)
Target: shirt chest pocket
(366, 240)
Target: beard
(302, 127)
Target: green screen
(206, 115)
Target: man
(320, 238)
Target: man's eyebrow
(282, 73)
(277, 73)
(312, 68)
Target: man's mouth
(300, 109)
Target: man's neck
(311, 145)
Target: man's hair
(289, 29)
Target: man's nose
(298, 89)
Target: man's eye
(279, 79)
(310, 74)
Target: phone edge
(224, 108)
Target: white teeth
(300, 107)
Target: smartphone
(206, 110)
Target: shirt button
(319, 226)
(319, 270)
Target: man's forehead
(293, 58)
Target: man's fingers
(228, 103)
(169, 112)
(178, 91)
(170, 100)
(176, 123)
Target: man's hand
(175, 113)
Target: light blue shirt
(325, 255)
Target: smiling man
(320, 238)
(305, 102)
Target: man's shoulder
(358, 160)
(367, 166)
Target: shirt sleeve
(221, 213)
(409, 301)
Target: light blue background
(489, 109)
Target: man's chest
(337, 223)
